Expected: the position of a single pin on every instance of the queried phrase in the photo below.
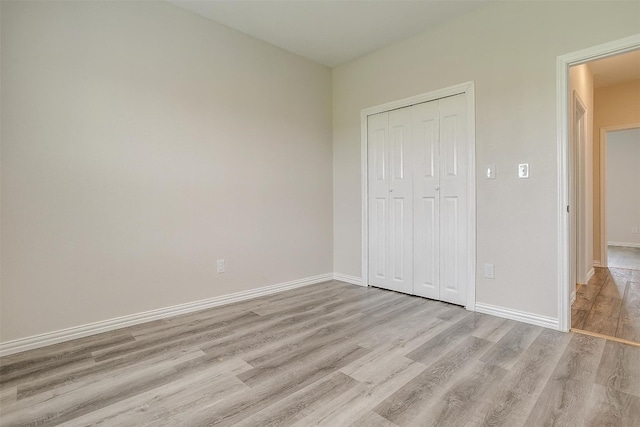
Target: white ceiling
(616, 69)
(330, 32)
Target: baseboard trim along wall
(55, 337)
(624, 244)
(520, 316)
(573, 297)
(596, 263)
(590, 274)
(354, 280)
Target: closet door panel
(426, 169)
(454, 199)
(378, 189)
(401, 200)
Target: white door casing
(576, 184)
(582, 260)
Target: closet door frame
(467, 89)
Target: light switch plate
(523, 170)
(491, 172)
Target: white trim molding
(596, 263)
(573, 297)
(562, 110)
(354, 280)
(624, 244)
(590, 275)
(55, 337)
(467, 88)
(520, 316)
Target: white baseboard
(520, 316)
(573, 297)
(596, 263)
(624, 244)
(354, 280)
(55, 337)
(590, 274)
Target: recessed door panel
(397, 153)
(426, 148)
(379, 156)
(449, 150)
(426, 248)
(397, 238)
(449, 244)
(428, 135)
(380, 231)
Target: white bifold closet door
(418, 199)
(391, 200)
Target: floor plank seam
(605, 337)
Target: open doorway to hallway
(605, 197)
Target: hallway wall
(581, 85)
(616, 105)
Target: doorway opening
(594, 299)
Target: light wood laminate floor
(623, 257)
(609, 304)
(330, 354)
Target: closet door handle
(437, 188)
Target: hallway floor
(623, 257)
(609, 305)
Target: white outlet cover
(489, 271)
(523, 170)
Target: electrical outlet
(489, 271)
(634, 230)
(221, 266)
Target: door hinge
(567, 208)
